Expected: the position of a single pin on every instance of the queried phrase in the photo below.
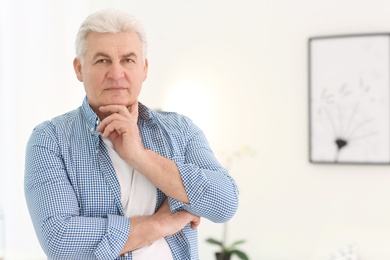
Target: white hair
(109, 21)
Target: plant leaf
(234, 245)
(240, 254)
(214, 241)
(237, 243)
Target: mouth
(115, 89)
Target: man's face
(113, 69)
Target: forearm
(147, 229)
(163, 173)
(142, 233)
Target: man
(114, 179)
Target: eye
(128, 60)
(102, 61)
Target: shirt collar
(93, 121)
(90, 116)
(144, 112)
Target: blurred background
(239, 69)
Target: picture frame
(349, 99)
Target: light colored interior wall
(239, 69)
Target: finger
(111, 134)
(102, 125)
(108, 120)
(164, 204)
(114, 126)
(133, 109)
(195, 223)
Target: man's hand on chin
(121, 127)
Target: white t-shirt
(138, 196)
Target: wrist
(139, 160)
(143, 232)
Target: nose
(116, 71)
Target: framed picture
(349, 99)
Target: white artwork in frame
(349, 89)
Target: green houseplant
(227, 251)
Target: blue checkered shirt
(73, 194)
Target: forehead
(112, 43)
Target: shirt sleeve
(54, 208)
(212, 192)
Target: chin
(120, 101)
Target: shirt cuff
(118, 228)
(195, 184)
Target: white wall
(241, 68)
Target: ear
(146, 67)
(77, 69)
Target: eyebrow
(131, 54)
(105, 55)
(100, 54)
